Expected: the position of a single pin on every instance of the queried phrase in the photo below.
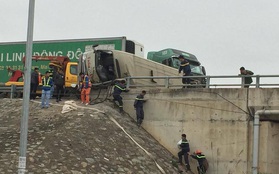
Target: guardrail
(15, 91)
(208, 79)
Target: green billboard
(11, 54)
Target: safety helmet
(198, 152)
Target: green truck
(11, 53)
(169, 57)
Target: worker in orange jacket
(85, 89)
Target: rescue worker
(202, 161)
(47, 84)
(119, 87)
(51, 74)
(85, 89)
(138, 105)
(184, 147)
(59, 84)
(185, 68)
(34, 83)
(247, 80)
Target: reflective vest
(84, 81)
(138, 98)
(117, 86)
(200, 156)
(118, 89)
(139, 101)
(185, 146)
(46, 82)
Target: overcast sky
(223, 34)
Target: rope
(149, 154)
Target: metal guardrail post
(167, 82)
(242, 81)
(128, 82)
(13, 91)
(257, 81)
(207, 81)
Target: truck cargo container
(105, 66)
(11, 53)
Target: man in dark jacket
(203, 164)
(34, 83)
(184, 147)
(59, 82)
(52, 75)
(247, 80)
(119, 87)
(138, 105)
(185, 67)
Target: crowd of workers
(183, 144)
(55, 81)
(50, 81)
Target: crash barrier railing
(208, 81)
(15, 91)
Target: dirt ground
(80, 141)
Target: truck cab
(169, 57)
(70, 70)
(99, 65)
(71, 73)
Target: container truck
(104, 66)
(11, 53)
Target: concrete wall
(216, 121)
(269, 148)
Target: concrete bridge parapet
(217, 121)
